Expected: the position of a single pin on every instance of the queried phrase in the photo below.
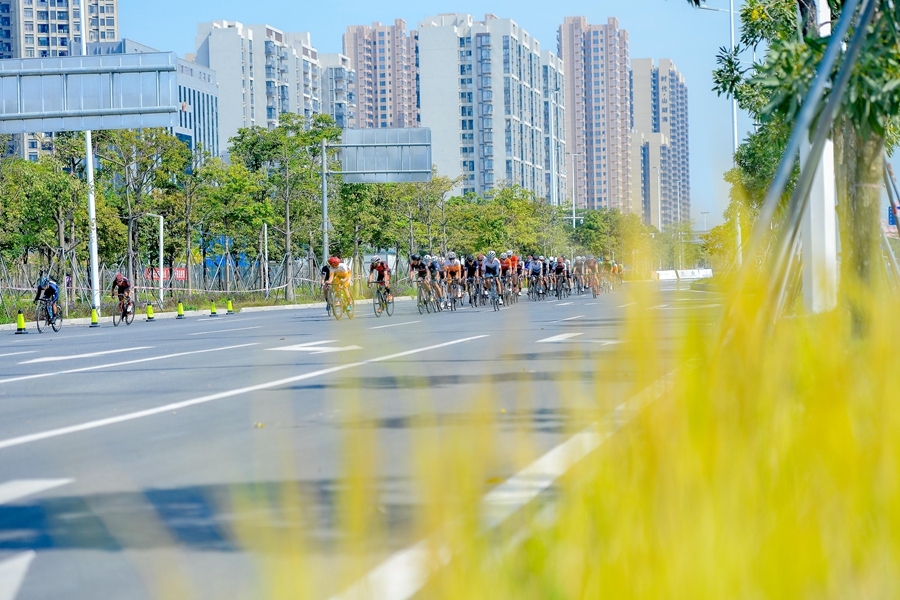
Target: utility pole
(92, 207)
(324, 204)
(161, 256)
(704, 220)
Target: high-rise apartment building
(338, 89)
(598, 112)
(48, 28)
(482, 95)
(385, 59)
(263, 73)
(554, 91)
(198, 97)
(661, 135)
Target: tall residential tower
(385, 59)
(482, 94)
(661, 135)
(598, 112)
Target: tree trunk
(226, 267)
(73, 264)
(187, 254)
(288, 258)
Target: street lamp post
(554, 192)
(160, 273)
(704, 220)
(734, 124)
(574, 156)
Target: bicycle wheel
(420, 300)
(378, 302)
(57, 324)
(389, 306)
(129, 313)
(116, 316)
(350, 307)
(40, 319)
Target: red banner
(153, 274)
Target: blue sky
(657, 29)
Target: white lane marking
(14, 490)
(35, 437)
(682, 307)
(120, 364)
(627, 305)
(45, 359)
(572, 318)
(559, 338)
(18, 353)
(565, 304)
(591, 304)
(398, 324)
(659, 307)
(316, 348)
(406, 572)
(12, 574)
(226, 330)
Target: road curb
(198, 313)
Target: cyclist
(123, 287)
(384, 275)
(518, 268)
(47, 289)
(560, 270)
(534, 270)
(472, 271)
(491, 270)
(453, 270)
(338, 275)
(325, 274)
(418, 268)
(435, 271)
(506, 266)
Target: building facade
(554, 91)
(339, 89)
(661, 130)
(385, 59)
(482, 95)
(198, 96)
(598, 112)
(44, 29)
(262, 72)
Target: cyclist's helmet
(376, 260)
(541, 257)
(509, 253)
(504, 256)
(119, 278)
(415, 258)
(44, 282)
(334, 261)
(481, 257)
(561, 259)
(492, 255)
(427, 257)
(451, 256)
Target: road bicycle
(380, 301)
(342, 303)
(494, 297)
(124, 311)
(454, 293)
(43, 317)
(424, 293)
(562, 287)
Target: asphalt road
(128, 455)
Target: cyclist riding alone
(47, 289)
(384, 274)
(338, 273)
(122, 286)
(491, 270)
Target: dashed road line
(20, 488)
(572, 318)
(226, 330)
(63, 431)
(395, 325)
(627, 305)
(558, 338)
(18, 353)
(46, 359)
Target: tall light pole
(734, 124)
(704, 220)
(92, 209)
(574, 156)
